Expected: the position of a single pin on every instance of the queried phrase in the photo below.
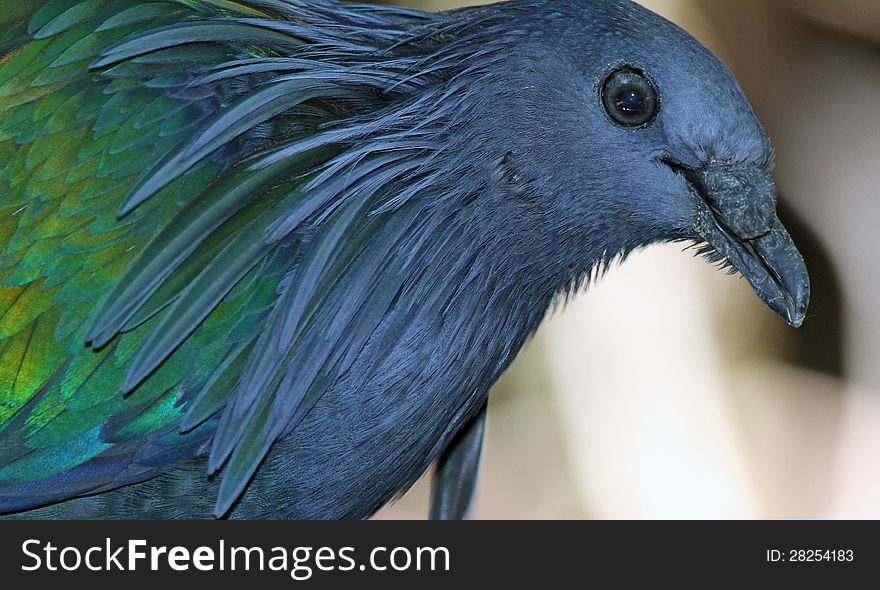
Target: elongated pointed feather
(219, 30)
(69, 18)
(455, 480)
(292, 375)
(214, 394)
(133, 15)
(224, 127)
(261, 378)
(199, 299)
(247, 457)
(175, 242)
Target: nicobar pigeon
(265, 258)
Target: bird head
(639, 134)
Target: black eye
(629, 97)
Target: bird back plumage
(208, 208)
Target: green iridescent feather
(73, 143)
(202, 214)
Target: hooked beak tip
(737, 218)
(796, 310)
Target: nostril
(746, 221)
(731, 183)
(743, 197)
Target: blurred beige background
(667, 390)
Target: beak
(738, 220)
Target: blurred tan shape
(861, 17)
(641, 383)
(856, 482)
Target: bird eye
(629, 97)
